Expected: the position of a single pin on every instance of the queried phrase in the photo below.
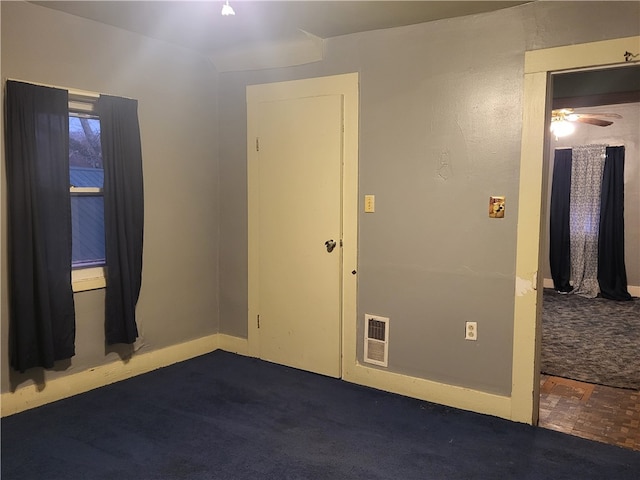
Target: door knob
(330, 244)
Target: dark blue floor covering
(223, 416)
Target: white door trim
(347, 86)
(528, 293)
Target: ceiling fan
(569, 115)
(561, 120)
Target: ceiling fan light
(562, 128)
(227, 9)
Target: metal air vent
(376, 340)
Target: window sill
(86, 279)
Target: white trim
(233, 344)
(430, 391)
(80, 190)
(581, 56)
(33, 395)
(526, 332)
(83, 279)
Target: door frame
(539, 64)
(346, 85)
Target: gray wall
(625, 131)
(447, 92)
(176, 90)
(436, 94)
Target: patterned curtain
(586, 184)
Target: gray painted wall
(440, 131)
(176, 90)
(625, 131)
(440, 112)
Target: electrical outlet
(369, 203)
(471, 331)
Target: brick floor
(605, 414)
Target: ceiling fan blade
(596, 115)
(594, 121)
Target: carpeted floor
(223, 416)
(592, 340)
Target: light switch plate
(496, 207)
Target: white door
(299, 164)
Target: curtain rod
(72, 91)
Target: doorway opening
(590, 375)
(539, 65)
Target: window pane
(85, 152)
(87, 211)
(87, 220)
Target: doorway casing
(539, 64)
(345, 85)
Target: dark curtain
(123, 215)
(42, 318)
(612, 275)
(559, 240)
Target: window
(40, 231)
(86, 178)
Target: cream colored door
(299, 163)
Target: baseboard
(31, 396)
(430, 391)
(634, 290)
(233, 344)
(444, 394)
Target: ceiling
(199, 25)
(597, 87)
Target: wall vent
(376, 340)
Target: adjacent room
(281, 228)
(591, 373)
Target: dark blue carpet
(224, 416)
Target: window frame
(85, 278)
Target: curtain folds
(612, 274)
(587, 165)
(42, 318)
(586, 231)
(559, 243)
(124, 215)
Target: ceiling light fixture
(227, 10)
(562, 128)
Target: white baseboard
(450, 395)
(634, 290)
(233, 344)
(427, 390)
(31, 396)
